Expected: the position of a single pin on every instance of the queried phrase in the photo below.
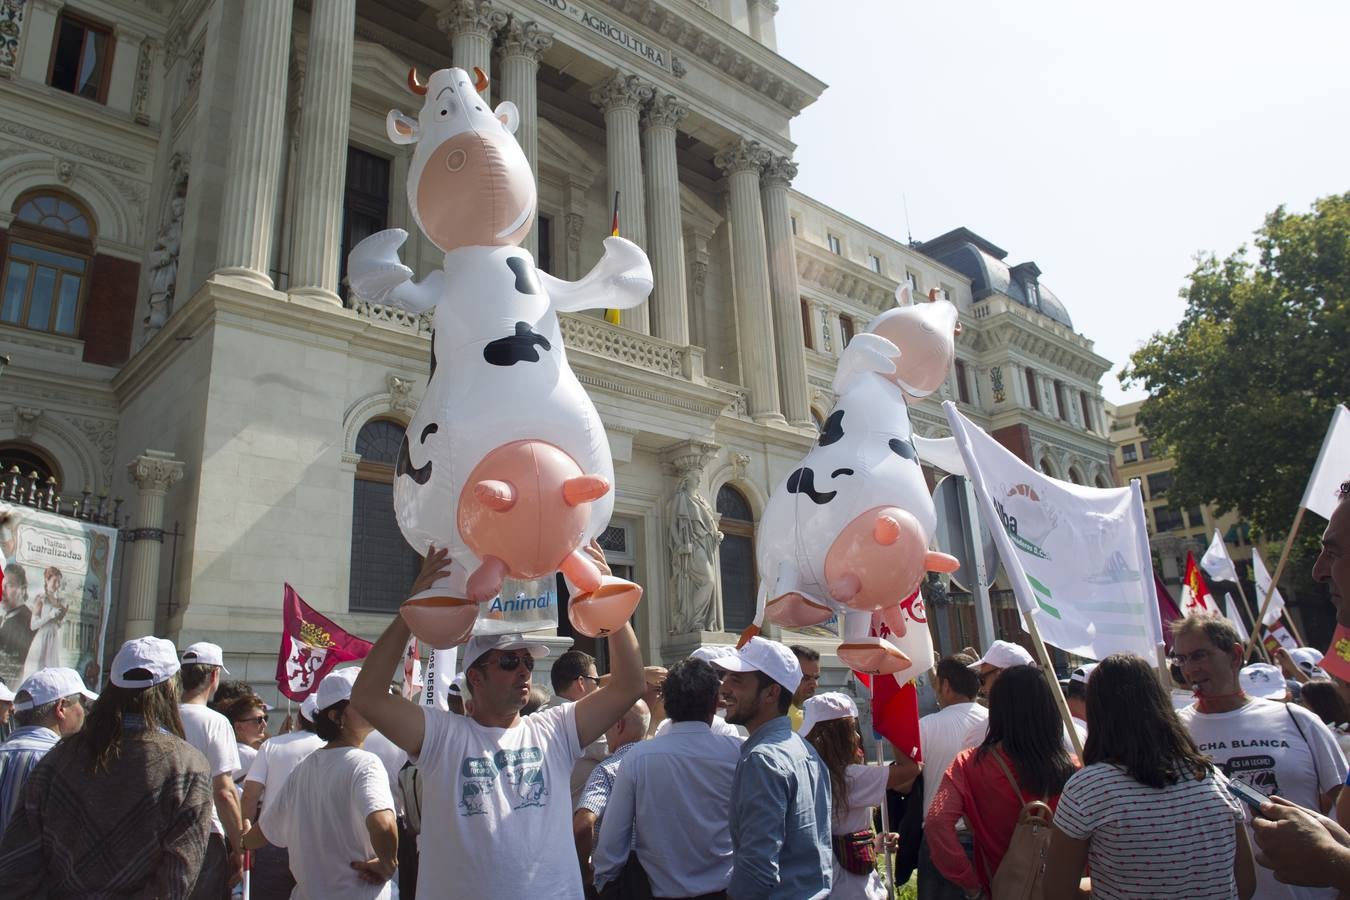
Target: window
(1129, 453)
(27, 459)
(962, 388)
(794, 223)
(365, 204)
(845, 330)
(1032, 392)
(913, 280)
(1146, 450)
(834, 243)
(1061, 407)
(1087, 411)
(737, 552)
(1158, 484)
(1196, 517)
(807, 342)
(50, 250)
(383, 565)
(1166, 519)
(543, 231)
(81, 58)
(874, 263)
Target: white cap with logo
(1004, 655)
(770, 657)
(482, 643)
(309, 707)
(335, 687)
(6, 695)
(1262, 680)
(156, 656)
(205, 653)
(1079, 675)
(713, 653)
(46, 685)
(824, 708)
(1309, 660)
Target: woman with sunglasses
(248, 714)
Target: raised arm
(398, 719)
(627, 682)
(621, 279)
(377, 275)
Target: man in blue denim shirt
(780, 797)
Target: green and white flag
(1077, 556)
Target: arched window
(383, 565)
(1101, 482)
(46, 270)
(739, 581)
(1047, 467)
(1076, 476)
(15, 485)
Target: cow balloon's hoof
(604, 610)
(793, 610)
(439, 621)
(873, 655)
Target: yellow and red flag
(1195, 596)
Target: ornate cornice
(742, 156)
(666, 110)
(621, 91)
(525, 38)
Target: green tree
(1242, 390)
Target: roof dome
(983, 263)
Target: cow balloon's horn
(480, 82)
(414, 85)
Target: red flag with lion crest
(311, 646)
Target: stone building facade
(199, 169)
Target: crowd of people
(727, 776)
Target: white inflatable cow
(506, 462)
(847, 531)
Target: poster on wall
(56, 593)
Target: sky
(1108, 143)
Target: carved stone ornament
(155, 472)
(666, 110)
(621, 91)
(677, 67)
(575, 223)
(65, 170)
(25, 421)
(140, 102)
(463, 16)
(693, 539)
(779, 171)
(739, 463)
(400, 391)
(525, 39)
(742, 156)
(11, 30)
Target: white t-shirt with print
(213, 735)
(1276, 748)
(320, 816)
(496, 805)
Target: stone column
(669, 302)
(522, 45)
(35, 24)
(834, 335)
(153, 473)
(620, 97)
(787, 308)
(696, 248)
(256, 136)
(470, 24)
(761, 22)
(316, 234)
(742, 163)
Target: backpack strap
(1017, 790)
(1312, 751)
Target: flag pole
(887, 870)
(1274, 580)
(1054, 683)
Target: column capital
(779, 171)
(621, 91)
(462, 16)
(688, 459)
(770, 5)
(154, 472)
(665, 110)
(742, 156)
(525, 38)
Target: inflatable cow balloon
(506, 462)
(847, 531)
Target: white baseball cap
(46, 685)
(205, 653)
(770, 657)
(457, 685)
(824, 708)
(1004, 655)
(482, 643)
(1262, 680)
(1079, 675)
(712, 653)
(1309, 660)
(335, 687)
(156, 656)
(6, 695)
(309, 707)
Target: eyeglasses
(1199, 656)
(508, 662)
(592, 678)
(252, 720)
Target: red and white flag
(895, 698)
(412, 670)
(1278, 636)
(311, 646)
(1195, 597)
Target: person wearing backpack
(1148, 812)
(1006, 789)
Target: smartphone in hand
(1247, 794)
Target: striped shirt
(595, 796)
(18, 755)
(1173, 842)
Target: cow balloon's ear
(508, 115)
(903, 297)
(401, 128)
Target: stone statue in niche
(693, 557)
(164, 266)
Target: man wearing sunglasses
(496, 806)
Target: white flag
(1262, 579)
(1333, 466)
(1230, 611)
(1216, 562)
(1077, 556)
(436, 681)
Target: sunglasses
(587, 677)
(508, 662)
(251, 720)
